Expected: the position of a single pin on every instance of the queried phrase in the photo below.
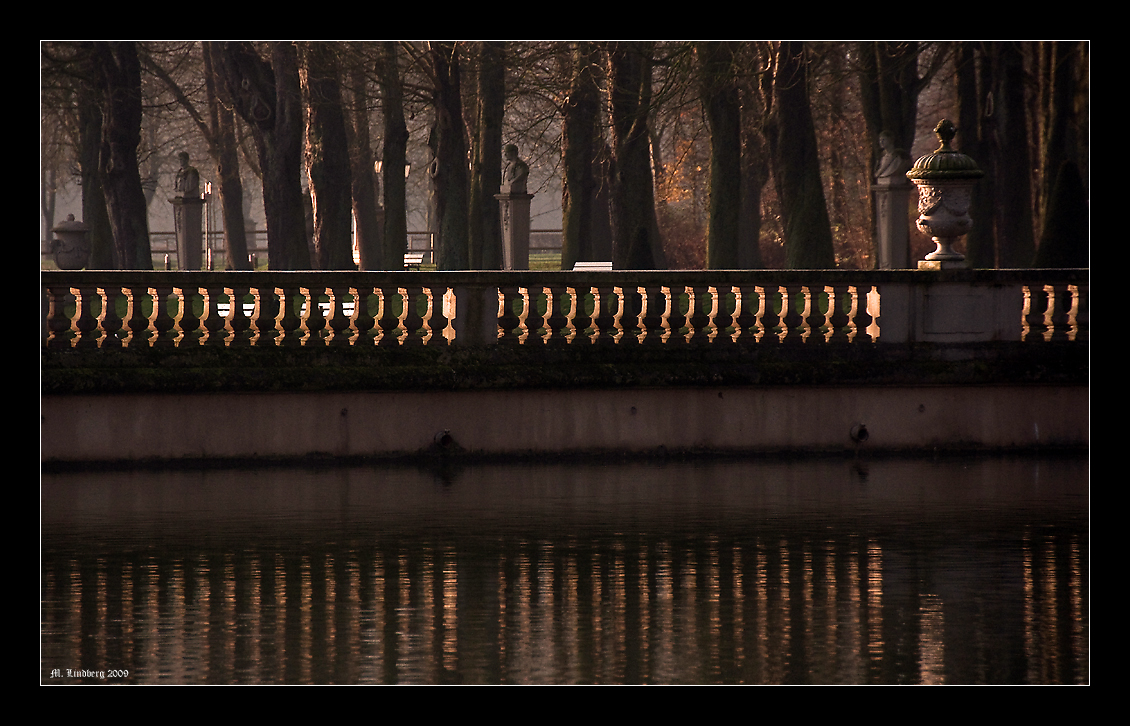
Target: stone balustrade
(127, 309)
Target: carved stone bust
(515, 172)
(188, 179)
(894, 163)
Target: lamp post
(945, 181)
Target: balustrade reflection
(631, 610)
(164, 310)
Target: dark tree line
(629, 120)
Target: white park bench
(592, 266)
(413, 260)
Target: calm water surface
(826, 571)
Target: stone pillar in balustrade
(945, 181)
(188, 208)
(892, 199)
(514, 204)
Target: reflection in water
(952, 571)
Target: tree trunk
(723, 116)
(120, 75)
(636, 241)
(365, 208)
(755, 172)
(327, 157)
(485, 233)
(579, 139)
(1060, 109)
(1016, 243)
(269, 98)
(796, 165)
(103, 253)
(889, 86)
(449, 169)
(973, 83)
(394, 151)
(225, 154)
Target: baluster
(672, 321)
(136, 324)
(534, 320)
(651, 318)
(237, 325)
(633, 302)
(411, 318)
(108, 320)
(186, 322)
(582, 317)
(58, 322)
(815, 321)
(263, 318)
(747, 313)
(437, 321)
(451, 313)
(702, 309)
(314, 328)
(559, 308)
(1080, 313)
(391, 313)
(1059, 304)
(606, 309)
(792, 321)
(212, 324)
(362, 324)
(525, 305)
(577, 319)
(720, 317)
(336, 331)
(287, 321)
(1035, 312)
(509, 323)
(839, 308)
(162, 325)
(870, 305)
(771, 321)
(85, 325)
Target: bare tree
(581, 144)
(722, 106)
(268, 97)
(485, 227)
(636, 239)
(449, 165)
(119, 77)
(365, 188)
(327, 156)
(796, 167)
(394, 153)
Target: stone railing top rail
(569, 277)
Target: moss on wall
(206, 369)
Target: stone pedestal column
(515, 211)
(188, 215)
(892, 222)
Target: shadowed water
(738, 571)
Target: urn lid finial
(945, 163)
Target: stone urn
(945, 181)
(71, 245)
